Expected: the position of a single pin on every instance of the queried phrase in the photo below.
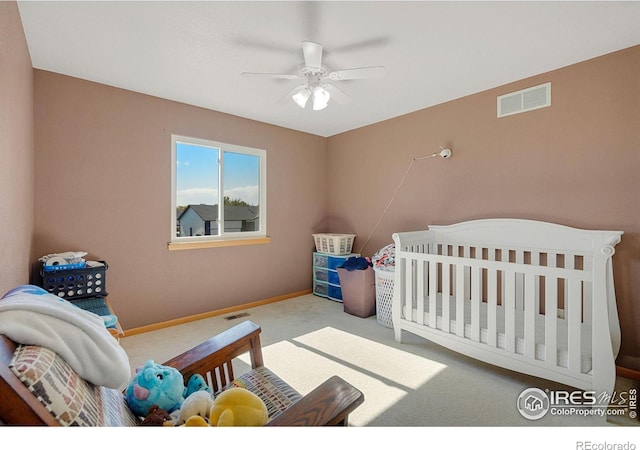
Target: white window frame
(225, 238)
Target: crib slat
(420, 287)
(460, 274)
(535, 258)
(529, 315)
(475, 303)
(446, 296)
(587, 295)
(433, 285)
(509, 312)
(535, 261)
(519, 283)
(492, 257)
(492, 307)
(574, 314)
(569, 261)
(568, 264)
(467, 272)
(551, 321)
(407, 286)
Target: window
(207, 174)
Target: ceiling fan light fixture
(318, 78)
(320, 98)
(301, 97)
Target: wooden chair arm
(215, 355)
(328, 404)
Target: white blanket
(78, 336)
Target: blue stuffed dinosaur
(196, 383)
(155, 384)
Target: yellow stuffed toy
(196, 421)
(238, 407)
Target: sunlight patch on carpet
(370, 356)
(385, 375)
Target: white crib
(529, 296)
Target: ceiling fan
(318, 79)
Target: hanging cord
(445, 153)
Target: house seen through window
(219, 191)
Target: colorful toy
(196, 421)
(198, 403)
(238, 407)
(157, 417)
(155, 384)
(197, 383)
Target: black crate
(76, 283)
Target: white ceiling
(195, 52)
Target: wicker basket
(384, 296)
(334, 244)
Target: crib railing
(549, 312)
(438, 287)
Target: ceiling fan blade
(284, 76)
(287, 97)
(312, 52)
(336, 94)
(358, 74)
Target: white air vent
(525, 100)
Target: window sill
(221, 243)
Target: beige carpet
(415, 383)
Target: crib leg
(397, 331)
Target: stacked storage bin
(72, 283)
(84, 285)
(326, 282)
(332, 251)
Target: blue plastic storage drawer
(335, 292)
(334, 278)
(336, 261)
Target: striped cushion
(70, 399)
(275, 393)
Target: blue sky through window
(242, 177)
(197, 175)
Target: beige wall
(576, 163)
(103, 171)
(16, 150)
